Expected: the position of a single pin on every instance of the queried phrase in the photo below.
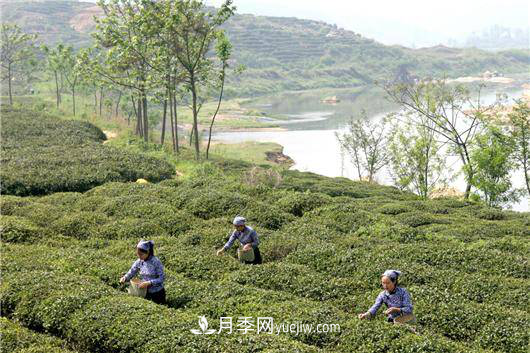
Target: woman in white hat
(151, 271)
(397, 300)
(248, 238)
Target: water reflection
(310, 139)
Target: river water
(310, 132)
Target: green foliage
(44, 155)
(299, 203)
(366, 144)
(18, 339)
(416, 158)
(394, 209)
(324, 241)
(520, 137)
(16, 229)
(492, 164)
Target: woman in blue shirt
(397, 300)
(247, 237)
(151, 271)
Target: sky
(407, 22)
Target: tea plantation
(42, 154)
(71, 219)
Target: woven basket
(247, 256)
(135, 290)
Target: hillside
(325, 242)
(286, 53)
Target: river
(310, 133)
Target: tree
(491, 160)
(54, 64)
(520, 134)
(197, 30)
(451, 114)
(17, 49)
(223, 49)
(70, 70)
(124, 47)
(416, 158)
(366, 143)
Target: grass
(252, 152)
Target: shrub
(491, 214)
(389, 230)
(80, 225)
(38, 213)
(16, 229)
(17, 339)
(210, 204)
(131, 228)
(299, 203)
(394, 209)
(42, 155)
(415, 219)
(8, 204)
(341, 218)
(268, 216)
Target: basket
(245, 256)
(135, 290)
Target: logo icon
(203, 324)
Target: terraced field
(325, 243)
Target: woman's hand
(220, 251)
(123, 279)
(247, 247)
(364, 315)
(144, 284)
(392, 310)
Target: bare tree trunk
(214, 115)
(163, 135)
(9, 78)
(118, 104)
(139, 119)
(526, 178)
(176, 123)
(171, 118)
(467, 162)
(73, 98)
(146, 122)
(195, 118)
(100, 100)
(135, 112)
(95, 101)
(57, 89)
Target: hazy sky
(407, 22)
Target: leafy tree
(17, 49)
(223, 49)
(54, 64)
(123, 41)
(452, 114)
(417, 160)
(520, 134)
(366, 143)
(492, 163)
(197, 31)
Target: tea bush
(42, 155)
(299, 203)
(18, 339)
(324, 241)
(16, 229)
